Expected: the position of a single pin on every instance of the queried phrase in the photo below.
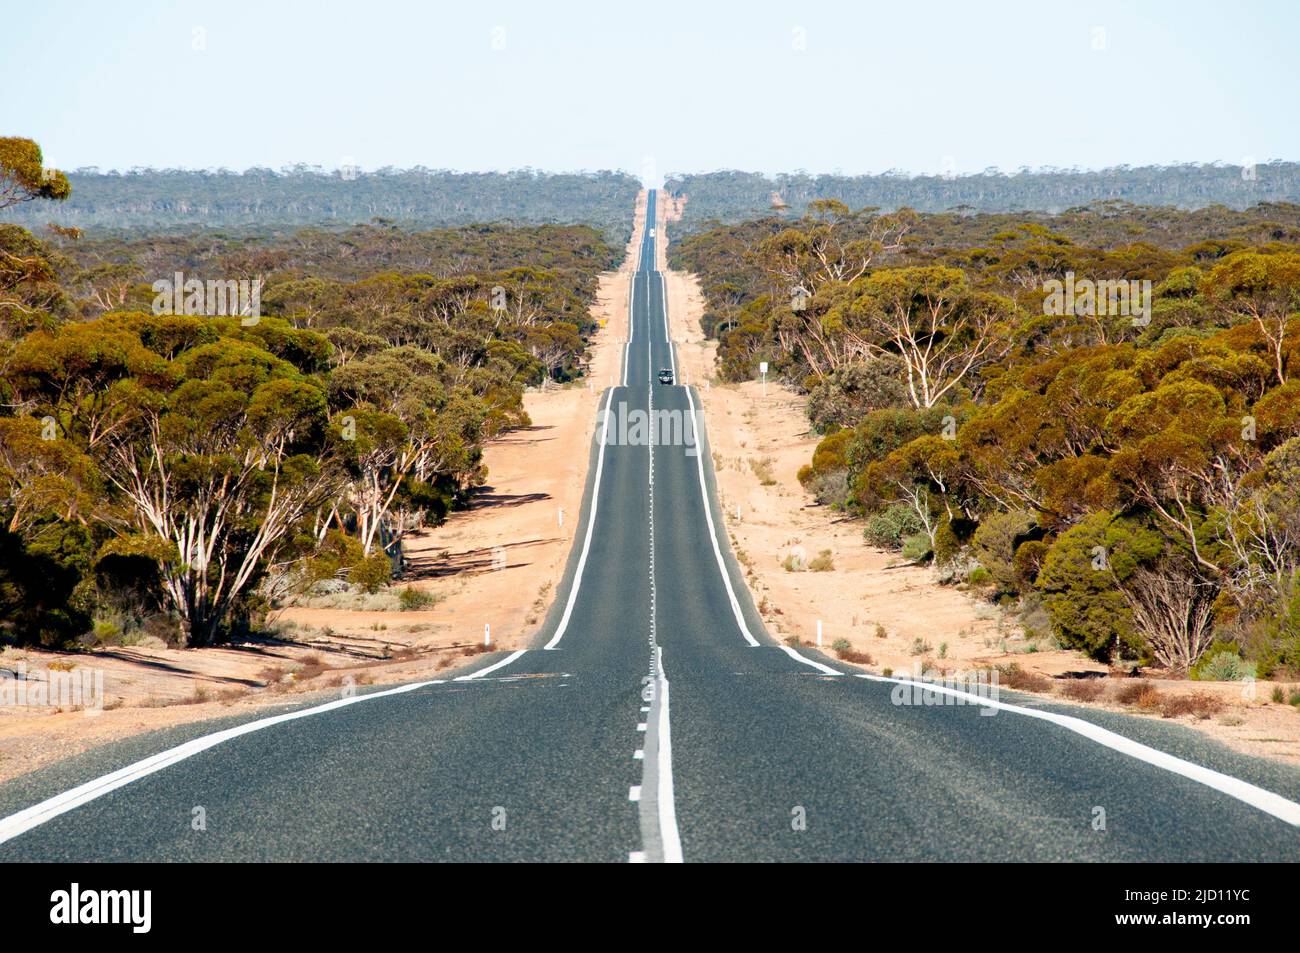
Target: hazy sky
(923, 86)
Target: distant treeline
(737, 196)
(153, 199)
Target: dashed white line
(672, 842)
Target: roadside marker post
(487, 633)
(762, 369)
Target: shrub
(1139, 693)
(887, 528)
(1202, 706)
(1222, 664)
(1017, 679)
(412, 599)
(841, 645)
(916, 547)
(850, 654)
(847, 393)
(1083, 689)
(822, 562)
(919, 646)
(106, 632)
(979, 576)
(994, 546)
(1078, 577)
(372, 573)
(763, 470)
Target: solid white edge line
(586, 542)
(713, 532)
(1244, 791)
(491, 668)
(37, 814)
(824, 669)
(668, 834)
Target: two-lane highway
(654, 719)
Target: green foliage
(994, 547)
(1078, 577)
(23, 176)
(1222, 662)
(889, 526)
(371, 573)
(916, 547)
(159, 470)
(411, 599)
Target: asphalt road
(654, 719)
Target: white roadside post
(487, 633)
(560, 517)
(762, 369)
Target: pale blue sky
(652, 88)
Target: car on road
(666, 375)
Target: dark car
(666, 376)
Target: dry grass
(762, 468)
(1083, 689)
(271, 675)
(1200, 705)
(1017, 679)
(853, 655)
(822, 562)
(310, 667)
(1142, 694)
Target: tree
(1266, 289)
(1078, 582)
(23, 176)
(216, 473)
(1174, 609)
(942, 330)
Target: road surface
(653, 719)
